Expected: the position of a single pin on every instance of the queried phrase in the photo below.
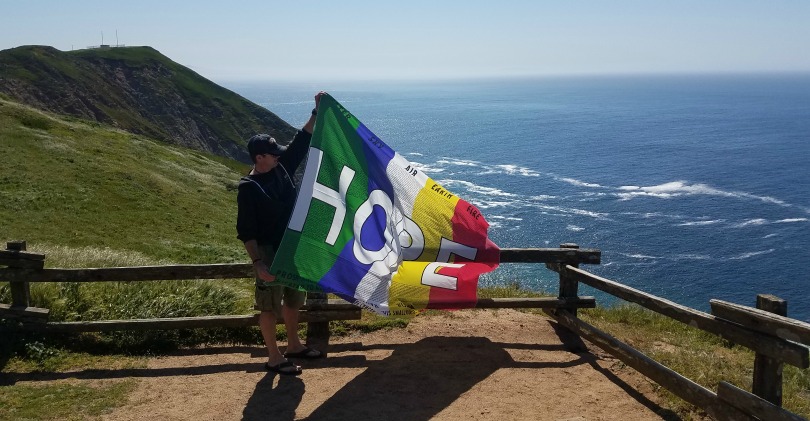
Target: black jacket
(266, 200)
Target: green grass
(60, 401)
(86, 195)
(63, 400)
(73, 184)
(700, 356)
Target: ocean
(693, 187)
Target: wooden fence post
(569, 286)
(317, 332)
(20, 291)
(768, 371)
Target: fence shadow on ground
(573, 343)
(416, 382)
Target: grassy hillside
(79, 184)
(140, 90)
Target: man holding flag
(367, 226)
(265, 201)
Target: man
(265, 200)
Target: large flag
(376, 231)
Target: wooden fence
(776, 339)
(24, 268)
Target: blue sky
(318, 40)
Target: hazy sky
(353, 39)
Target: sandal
(306, 353)
(284, 368)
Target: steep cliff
(139, 90)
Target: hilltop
(139, 90)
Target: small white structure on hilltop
(105, 46)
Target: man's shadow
(417, 381)
(274, 403)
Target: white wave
(493, 204)
(462, 162)
(415, 154)
(751, 222)
(648, 215)
(475, 188)
(669, 190)
(508, 169)
(574, 228)
(574, 211)
(639, 256)
(628, 196)
(701, 223)
(682, 188)
(518, 170)
(762, 221)
(427, 169)
(690, 257)
(766, 199)
(578, 183)
(770, 235)
(542, 197)
(751, 254)
(506, 218)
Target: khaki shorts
(270, 297)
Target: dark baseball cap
(264, 143)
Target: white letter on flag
(310, 189)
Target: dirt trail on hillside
(471, 364)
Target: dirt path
(502, 364)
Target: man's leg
(268, 302)
(293, 301)
(291, 323)
(267, 324)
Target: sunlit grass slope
(78, 184)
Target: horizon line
(484, 78)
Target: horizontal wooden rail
(753, 404)
(312, 316)
(245, 270)
(23, 264)
(20, 255)
(788, 352)
(672, 380)
(28, 313)
(133, 273)
(335, 309)
(762, 321)
(21, 259)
